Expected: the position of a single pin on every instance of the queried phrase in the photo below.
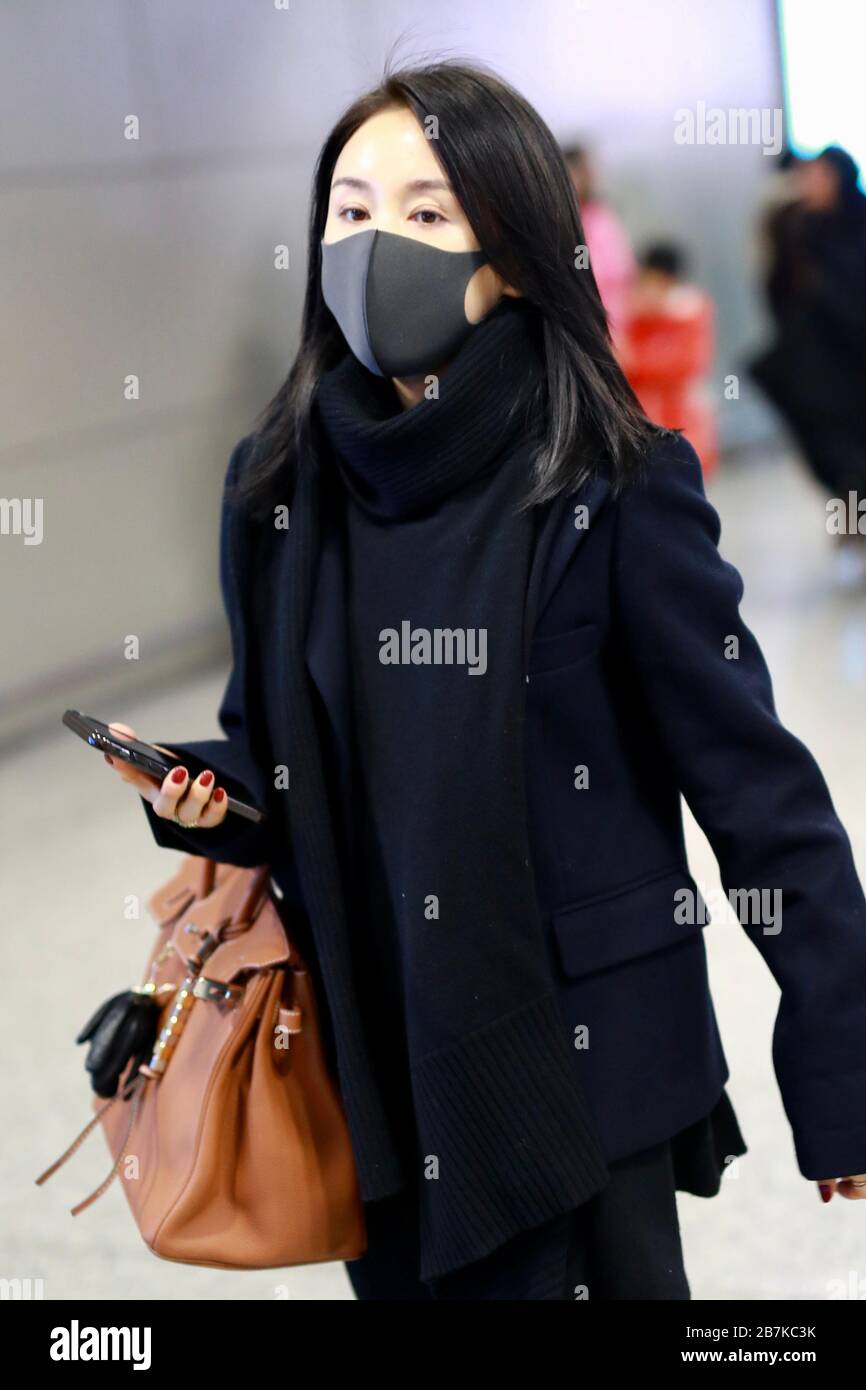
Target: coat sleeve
(758, 794)
(235, 841)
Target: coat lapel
(327, 643)
(326, 639)
(561, 531)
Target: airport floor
(75, 849)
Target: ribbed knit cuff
(506, 1118)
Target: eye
(347, 213)
(427, 217)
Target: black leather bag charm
(122, 1029)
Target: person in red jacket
(667, 348)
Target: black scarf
(503, 1138)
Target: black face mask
(398, 301)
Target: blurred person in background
(666, 349)
(610, 252)
(489, 856)
(814, 372)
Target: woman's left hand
(853, 1187)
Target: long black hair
(510, 178)
(850, 204)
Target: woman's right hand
(200, 801)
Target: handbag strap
(206, 878)
(234, 902)
(258, 885)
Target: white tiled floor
(78, 840)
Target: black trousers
(622, 1244)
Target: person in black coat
(814, 372)
(483, 643)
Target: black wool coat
(637, 697)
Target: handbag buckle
(216, 991)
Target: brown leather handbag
(231, 1143)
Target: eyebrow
(414, 186)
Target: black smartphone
(138, 754)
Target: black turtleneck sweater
(424, 498)
(416, 493)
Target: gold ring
(187, 824)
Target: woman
(476, 662)
(613, 262)
(815, 371)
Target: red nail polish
(826, 1192)
(219, 794)
(179, 774)
(206, 779)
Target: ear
(484, 290)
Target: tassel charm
(133, 1088)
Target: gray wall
(155, 257)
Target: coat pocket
(655, 912)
